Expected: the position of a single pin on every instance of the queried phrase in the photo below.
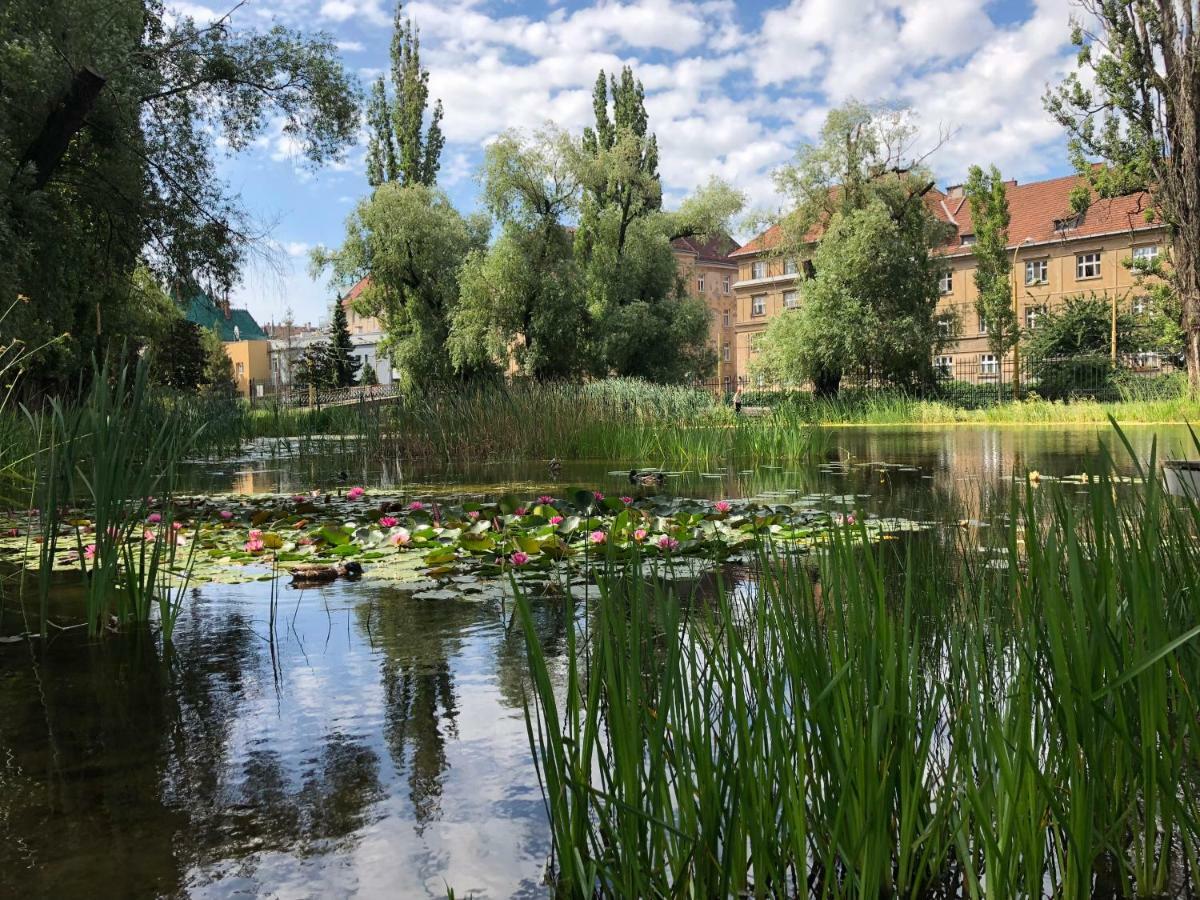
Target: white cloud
(351, 46)
(369, 11)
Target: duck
(555, 467)
(647, 478)
(322, 574)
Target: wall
(251, 363)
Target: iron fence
(296, 396)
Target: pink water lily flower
(640, 534)
(225, 514)
(545, 499)
(89, 552)
(723, 506)
(400, 539)
(666, 542)
(255, 534)
(388, 522)
(519, 511)
(354, 493)
(556, 520)
(473, 514)
(598, 495)
(850, 519)
(597, 537)
(176, 525)
(627, 500)
(148, 536)
(254, 545)
(154, 518)
(415, 505)
(519, 558)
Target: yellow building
(1056, 255)
(251, 364)
(709, 274)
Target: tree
(412, 243)
(180, 360)
(869, 309)
(859, 199)
(1160, 316)
(343, 364)
(1134, 102)
(110, 113)
(218, 367)
(401, 148)
(994, 299)
(316, 366)
(1069, 349)
(521, 300)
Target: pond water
(370, 744)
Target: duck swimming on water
(646, 478)
(321, 574)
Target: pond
(367, 743)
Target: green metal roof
(203, 310)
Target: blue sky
(732, 90)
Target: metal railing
(294, 396)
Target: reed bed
(922, 720)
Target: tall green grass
(931, 721)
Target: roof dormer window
(1066, 223)
(967, 240)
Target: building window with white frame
(1145, 253)
(1139, 305)
(758, 269)
(946, 282)
(1037, 271)
(700, 283)
(725, 319)
(756, 342)
(967, 240)
(944, 366)
(989, 365)
(1087, 265)
(790, 267)
(725, 285)
(1032, 314)
(983, 329)
(725, 354)
(791, 299)
(945, 326)
(758, 305)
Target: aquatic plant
(916, 718)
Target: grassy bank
(931, 721)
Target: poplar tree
(401, 147)
(990, 218)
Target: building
(1056, 254)
(709, 274)
(245, 342)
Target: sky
(732, 90)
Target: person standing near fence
(737, 401)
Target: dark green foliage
(993, 266)
(218, 367)
(316, 366)
(181, 359)
(343, 364)
(1070, 350)
(109, 115)
(401, 147)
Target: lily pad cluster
(415, 540)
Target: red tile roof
(1034, 209)
(352, 294)
(715, 249)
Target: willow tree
(1134, 103)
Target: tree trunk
(67, 117)
(1186, 277)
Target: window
(1037, 271)
(1139, 305)
(725, 354)
(725, 319)
(758, 269)
(756, 342)
(1145, 253)
(758, 305)
(1032, 313)
(988, 364)
(945, 326)
(982, 325)
(967, 240)
(1087, 265)
(241, 371)
(1066, 223)
(946, 283)
(944, 366)
(700, 284)
(791, 299)
(725, 285)
(789, 267)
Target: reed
(931, 721)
